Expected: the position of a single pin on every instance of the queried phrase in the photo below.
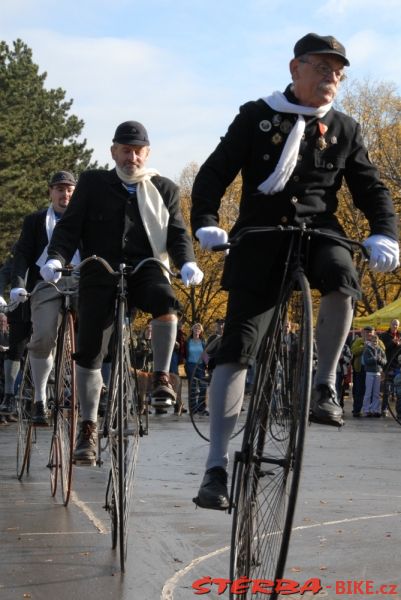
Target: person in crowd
(294, 150)
(143, 351)
(392, 343)
(342, 372)
(195, 368)
(373, 359)
(45, 301)
(4, 347)
(123, 215)
(19, 329)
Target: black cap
(131, 132)
(62, 177)
(312, 43)
(368, 328)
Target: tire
(25, 428)
(54, 463)
(392, 386)
(267, 469)
(66, 402)
(111, 507)
(123, 431)
(198, 396)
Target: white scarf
(50, 225)
(288, 159)
(153, 211)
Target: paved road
(347, 525)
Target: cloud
(111, 80)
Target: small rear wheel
(54, 463)
(25, 436)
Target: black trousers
(148, 290)
(329, 268)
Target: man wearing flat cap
(294, 150)
(123, 215)
(45, 304)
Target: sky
(183, 67)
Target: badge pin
(333, 140)
(276, 120)
(321, 143)
(286, 126)
(277, 138)
(265, 126)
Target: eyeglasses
(325, 70)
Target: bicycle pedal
(85, 462)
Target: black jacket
(31, 243)
(100, 216)
(253, 145)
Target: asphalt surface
(347, 524)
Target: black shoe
(161, 411)
(162, 394)
(8, 406)
(213, 491)
(325, 408)
(11, 419)
(357, 415)
(86, 446)
(3, 420)
(39, 416)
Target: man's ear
(294, 69)
(112, 150)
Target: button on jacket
(253, 145)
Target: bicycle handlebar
(122, 266)
(236, 239)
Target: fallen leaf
(296, 569)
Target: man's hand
(18, 295)
(191, 274)
(49, 270)
(384, 253)
(211, 236)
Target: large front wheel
(66, 402)
(268, 467)
(25, 429)
(124, 433)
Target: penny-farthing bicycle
(267, 469)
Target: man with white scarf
(294, 151)
(123, 215)
(45, 304)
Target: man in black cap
(123, 215)
(45, 304)
(294, 151)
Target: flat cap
(131, 132)
(62, 177)
(312, 43)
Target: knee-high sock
(226, 394)
(40, 369)
(164, 334)
(89, 386)
(333, 325)
(11, 370)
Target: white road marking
(170, 585)
(100, 526)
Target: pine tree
(38, 136)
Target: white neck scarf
(288, 159)
(153, 211)
(50, 225)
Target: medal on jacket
(321, 142)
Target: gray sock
(40, 369)
(226, 394)
(333, 325)
(11, 370)
(89, 386)
(164, 334)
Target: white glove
(191, 274)
(2, 301)
(18, 295)
(384, 253)
(48, 271)
(211, 236)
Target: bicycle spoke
(24, 427)
(65, 408)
